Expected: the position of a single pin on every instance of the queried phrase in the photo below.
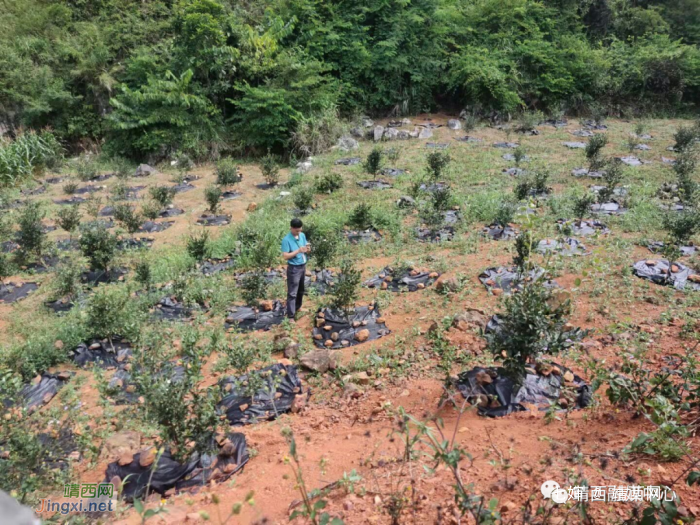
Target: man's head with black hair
(296, 226)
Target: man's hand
(304, 249)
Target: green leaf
(577, 282)
(693, 478)
(320, 504)
(138, 505)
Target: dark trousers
(295, 288)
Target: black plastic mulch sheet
(319, 280)
(444, 234)
(351, 161)
(362, 236)
(34, 395)
(281, 384)
(583, 228)
(251, 319)
(500, 233)
(214, 220)
(57, 447)
(515, 172)
(502, 396)
(608, 208)
(182, 188)
(8, 246)
(451, 217)
(107, 211)
(585, 172)
(506, 145)
(171, 309)
(557, 123)
(436, 145)
(392, 172)
(95, 277)
(224, 461)
(72, 200)
(270, 276)
(467, 138)
(87, 189)
(374, 184)
(59, 306)
(432, 188)
(155, 227)
(230, 195)
(45, 264)
(568, 247)
(102, 353)
(124, 391)
(508, 279)
(661, 271)
(408, 280)
(66, 245)
(135, 244)
(13, 292)
(585, 133)
(170, 212)
(592, 124)
(685, 251)
(574, 145)
(511, 158)
(347, 326)
(214, 266)
(630, 160)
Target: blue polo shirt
(290, 244)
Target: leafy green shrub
(612, 176)
(122, 168)
(529, 120)
(111, 312)
(68, 218)
(681, 226)
(227, 172)
(97, 245)
(442, 199)
(328, 183)
(270, 169)
(437, 162)
(120, 191)
(593, 150)
(684, 167)
(151, 210)
(212, 194)
(518, 155)
(345, 290)
(505, 212)
(128, 218)
(361, 217)
(582, 206)
(163, 195)
(373, 163)
(685, 138)
(67, 280)
(524, 244)
(143, 273)
(632, 143)
(6, 268)
(93, 205)
(85, 168)
(533, 325)
(324, 240)
(30, 235)
(69, 188)
(254, 287)
(303, 199)
(198, 246)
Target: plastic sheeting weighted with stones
(509, 279)
(436, 145)
(663, 272)
(95, 277)
(362, 236)
(444, 234)
(511, 158)
(392, 172)
(135, 244)
(224, 460)
(155, 227)
(214, 220)
(170, 212)
(250, 319)
(409, 279)
(583, 228)
(500, 233)
(275, 396)
(170, 309)
(351, 161)
(348, 326)
(608, 208)
(435, 187)
(104, 353)
(685, 251)
(214, 266)
(13, 292)
(499, 395)
(321, 281)
(38, 393)
(374, 184)
(506, 145)
(568, 247)
(585, 172)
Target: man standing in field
(294, 250)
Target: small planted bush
(227, 173)
(594, 149)
(68, 218)
(345, 291)
(684, 168)
(150, 210)
(373, 163)
(518, 155)
(122, 168)
(198, 245)
(442, 199)
(212, 194)
(143, 273)
(85, 168)
(685, 138)
(582, 206)
(254, 287)
(361, 217)
(97, 245)
(128, 218)
(612, 177)
(303, 199)
(329, 182)
(681, 226)
(69, 188)
(270, 170)
(437, 163)
(163, 195)
(324, 241)
(505, 213)
(30, 235)
(67, 280)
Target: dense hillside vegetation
(161, 77)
